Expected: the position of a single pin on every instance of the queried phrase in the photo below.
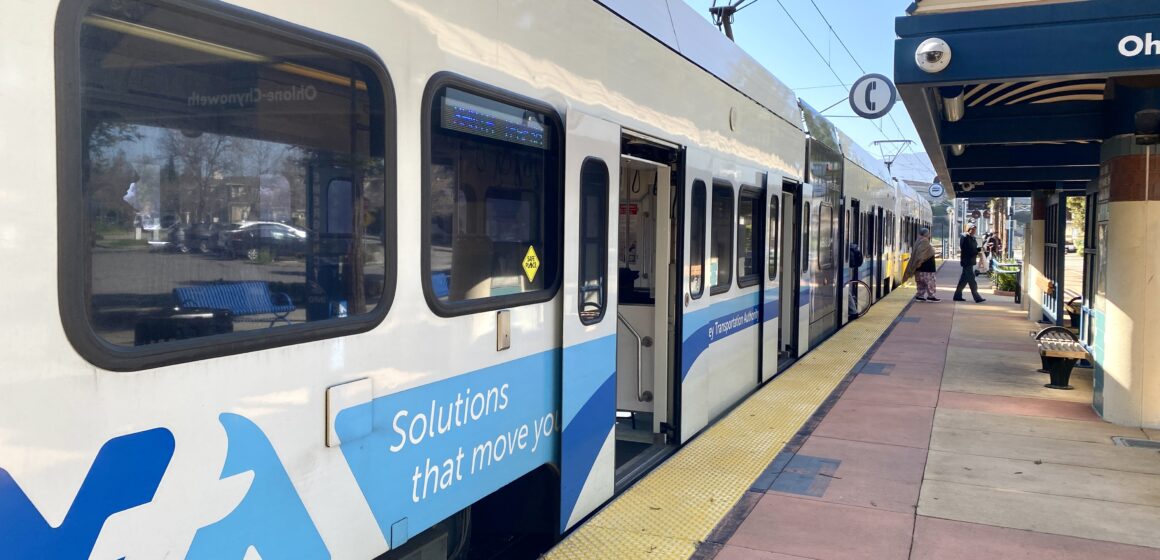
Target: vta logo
(128, 469)
(124, 475)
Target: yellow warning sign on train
(531, 263)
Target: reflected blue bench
(440, 284)
(239, 298)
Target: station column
(1126, 305)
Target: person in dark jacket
(968, 254)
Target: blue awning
(1030, 92)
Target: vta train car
(392, 278)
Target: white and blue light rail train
(306, 281)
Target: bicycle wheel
(860, 298)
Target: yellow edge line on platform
(673, 509)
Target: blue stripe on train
(589, 412)
(437, 448)
(714, 323)
(583, 439)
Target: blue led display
(497, 121)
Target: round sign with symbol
(935, 190)
(872, 96)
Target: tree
(206, 159)
(1077, 208)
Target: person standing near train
(921, 265)
(968, 253)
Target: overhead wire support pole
(890, 161)
(723, 15)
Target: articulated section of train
(408, 275)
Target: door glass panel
(721, 258)
(748, 242)
(593, 240)
(697, 240)
(774, 215)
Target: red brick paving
(880, 430)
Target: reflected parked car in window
(203, 237)
(271, 240)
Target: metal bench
(1059, 350)
(239, 298)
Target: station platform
(921, 430)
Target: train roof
(820, 128)
(862, 158)
(678, 26)
(675, 24)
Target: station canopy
(1032, 88)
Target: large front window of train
(233, 179)
(491, 201)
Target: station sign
(935, 190)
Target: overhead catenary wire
(812, 45)
(854, 59)
(740, 4)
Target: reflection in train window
(748, 237)
(233, 180)
(491, 199)
(774, 215)
(697, 240)
(593, 241)
(721, 243)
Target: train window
(697, 211)
(749, 222)
(825, 236)
(721, 243)
(806, 234)
(491, 199)
(593, 241)
(234, 186)
(774, 216)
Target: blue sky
(865, 26)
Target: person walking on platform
(921, 265)
(968, 252)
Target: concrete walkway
(946, 445)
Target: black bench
(181, 324)
(239, 298)
(1059, 350)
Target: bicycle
(860, 298)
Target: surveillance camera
(933, 55)
(1147, 127)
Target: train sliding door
(826, 186)
(789, 273)
(771, 292)
(647, 305)
(879, 256)
(588, 385)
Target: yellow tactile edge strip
(669, 512)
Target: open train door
(588, 371)
(790, 274)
